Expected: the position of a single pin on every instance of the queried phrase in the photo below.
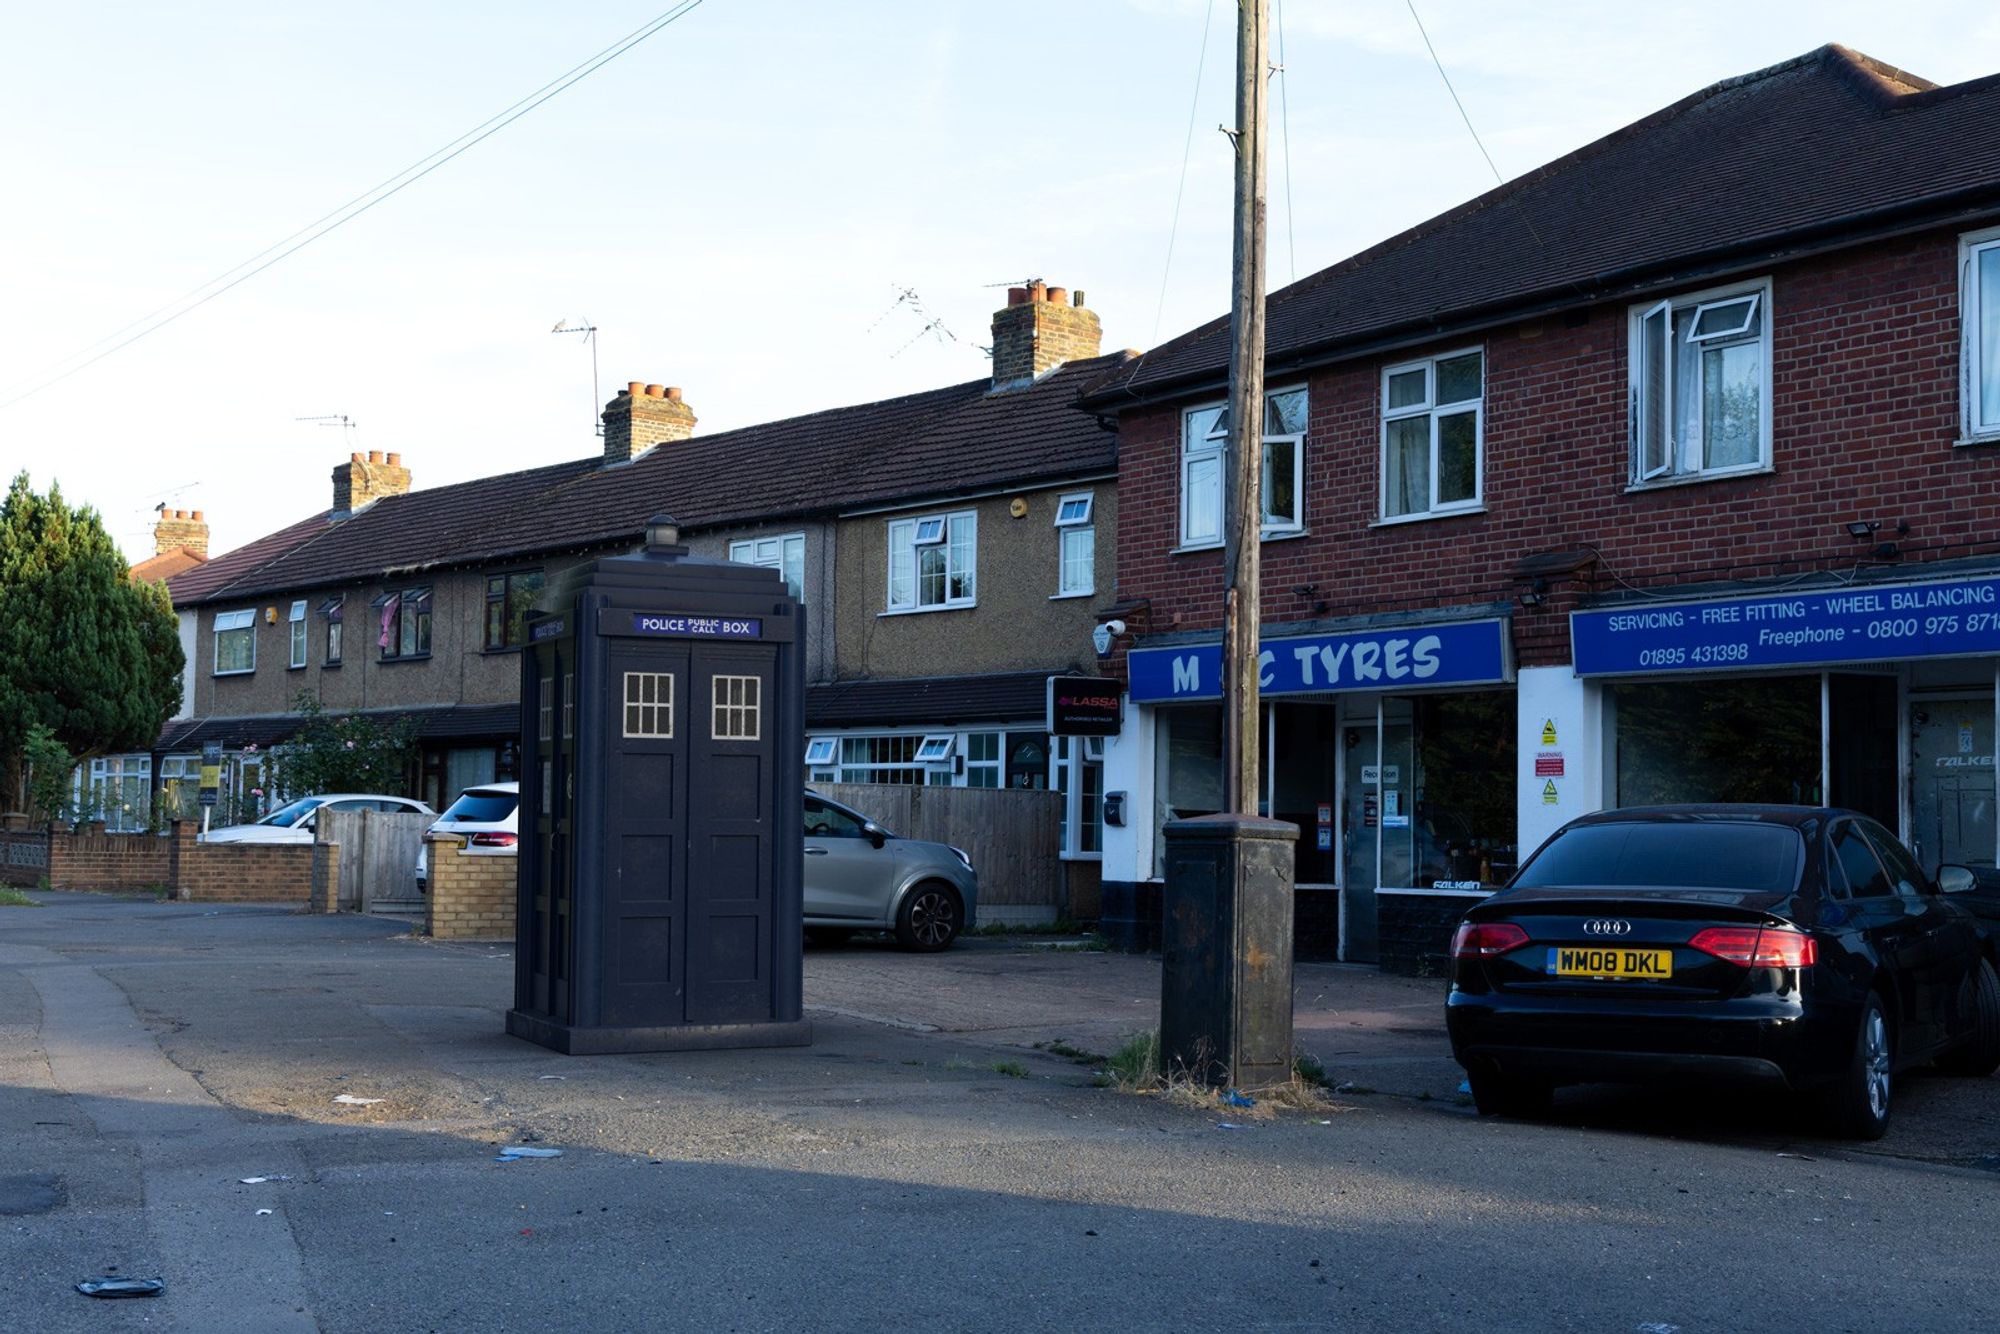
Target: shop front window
(1463, 816)
(1718, 740)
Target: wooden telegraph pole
(1226, 928)
(1242, 507)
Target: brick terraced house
(948, 546)
(1667, 472)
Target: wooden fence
(1014, 837)
(378, 858)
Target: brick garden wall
(1865, 349)
(471, 896)
(196, 872)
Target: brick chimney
(363, 480)
(644, 415)
(1038, 331)
(179, 529)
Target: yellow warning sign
(1548, 731)
(1549, 793)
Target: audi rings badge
(1607, 926)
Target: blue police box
(661, 813)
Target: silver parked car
(861, 877)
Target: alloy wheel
(1875, 1056)
(933, 918)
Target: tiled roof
(166, 565)
(203, 581)
(1830, 143)
(937, 443)
(998, 697)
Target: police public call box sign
(696, 627)
(1958, 618)
(1453, 653)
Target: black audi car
(1798, 947)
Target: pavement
(929, 1161)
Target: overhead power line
(197, 297)
(1422, 32)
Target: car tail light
(495, 840)
(1482, 940)
(1758, 947)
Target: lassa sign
(1084, 706)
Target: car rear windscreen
(1756, 858)
(482, 807)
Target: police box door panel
(732, 750)
(645, 827)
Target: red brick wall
(1865, 409)
(110, 861)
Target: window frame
(1213, 447)
(417, 623)
(822, 751)
(1979, 421)
(295, 622)
(513, 629)
(1680, 462)
(903, 535)
(1431, 409)
(1081, 527)
(242, 621)
(745, 551)
(333, 611)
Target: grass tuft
(14, 898)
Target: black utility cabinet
(661, 851)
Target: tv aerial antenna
(340, 419)
(589, 332)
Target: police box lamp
(663, 533)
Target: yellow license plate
(1609, 961)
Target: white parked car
(293, 822)
(486, 817)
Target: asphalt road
(896, 1172)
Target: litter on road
(1229, 1125)
(350, 1100)
(262, 1212)
(122, 1287)
(515, 1152)
(1235, 1099)
(258, 1181)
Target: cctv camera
(1115, 627)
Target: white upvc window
(1077, 766)
(1076, 545)
(1433, 435)
(931, 561)
(298, 628)
(1701, 384)
(1204, 440)
(786, 555)
(1979, 309)
(936, 748)
(235, 642)
(820, 751)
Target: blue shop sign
(697, 627)
(1873, 623)
(1456, 653)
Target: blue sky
(735, 203)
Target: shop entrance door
(1951, 782)
(1377, 838)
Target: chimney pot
(354, 457)
(374, 456)
(395, 460)
(655, 391)
(1037, 290)
(636, 388)
(196, 516)
(1056, 295)
(1017, 296)
(1076, 298)
(674, 392)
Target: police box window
(649, 704)
(738, 708)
